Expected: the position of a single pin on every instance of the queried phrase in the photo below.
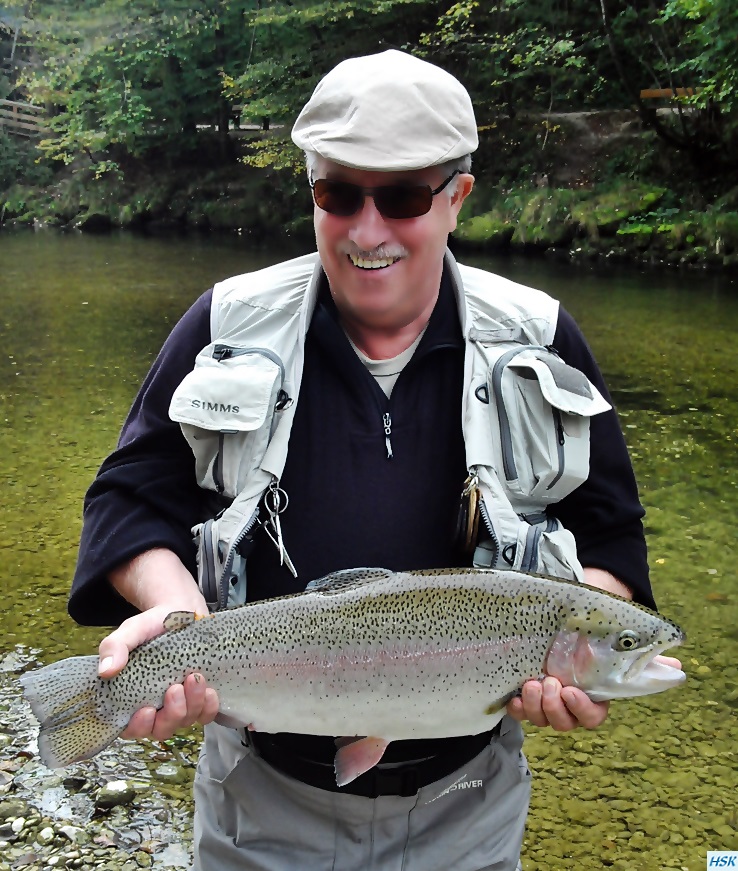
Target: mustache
(383, 252)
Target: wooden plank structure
(23, 119)
(667, 93)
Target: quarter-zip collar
(443, 331)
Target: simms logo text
(215, 406)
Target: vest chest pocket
(540, 409)
(226, 407)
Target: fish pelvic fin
(356, 757)
(66, 698)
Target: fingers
(184, 705)
(131, 633)
(546, 703)
(587, 713)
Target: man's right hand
(184, 704)
(157, 583)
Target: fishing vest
(525, 419)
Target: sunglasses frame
(363, 192)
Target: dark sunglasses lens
(337, 197)
(403, 201)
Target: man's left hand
(547, 703)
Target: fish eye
(627, 640)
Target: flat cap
(387, 112)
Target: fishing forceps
(276, 501)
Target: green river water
(656, 786)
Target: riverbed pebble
(115, 793)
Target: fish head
(609, 649)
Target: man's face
(384, 273)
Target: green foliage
(130, 77)
(518, 54)
(20, 161)
(161, 82)
(490, 230)
(711, 38)
(293, 43)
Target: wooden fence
(667, 93)
(23, 119)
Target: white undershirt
(386, 372)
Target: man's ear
(464, 186)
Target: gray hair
(458, 164)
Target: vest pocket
(226, 409)
(540, 409)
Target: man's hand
(184, 704)
(547, 703)
(157, 583)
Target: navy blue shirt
(350, 505)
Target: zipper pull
(387, 421)
(222, 352)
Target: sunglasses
(343, 198)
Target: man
(350, 399)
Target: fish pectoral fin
(499, 705)
(337, 582)
(177, 620)
(355, 756)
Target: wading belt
(401, 780)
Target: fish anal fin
(176, 620)
(341, 580)
(229, 721)
(356, 757)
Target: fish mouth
(643, 677)
(645, 669)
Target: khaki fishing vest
(525, 416)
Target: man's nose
(368, 227)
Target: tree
(133, 77)
(690, 44)
(518, 54)
(293, 43)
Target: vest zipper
(560, 442)
(484, 514)
(387, 422)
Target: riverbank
(579, 186)
(127, 809)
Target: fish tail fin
(67, 699)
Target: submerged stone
(115, 793)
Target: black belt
(402, 780)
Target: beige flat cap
(387, 112)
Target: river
(82, 318)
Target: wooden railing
(23, 119)
(667, 93)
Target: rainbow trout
(371, 653)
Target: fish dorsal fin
(337, 582)
(177, 620)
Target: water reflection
(82, 318)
